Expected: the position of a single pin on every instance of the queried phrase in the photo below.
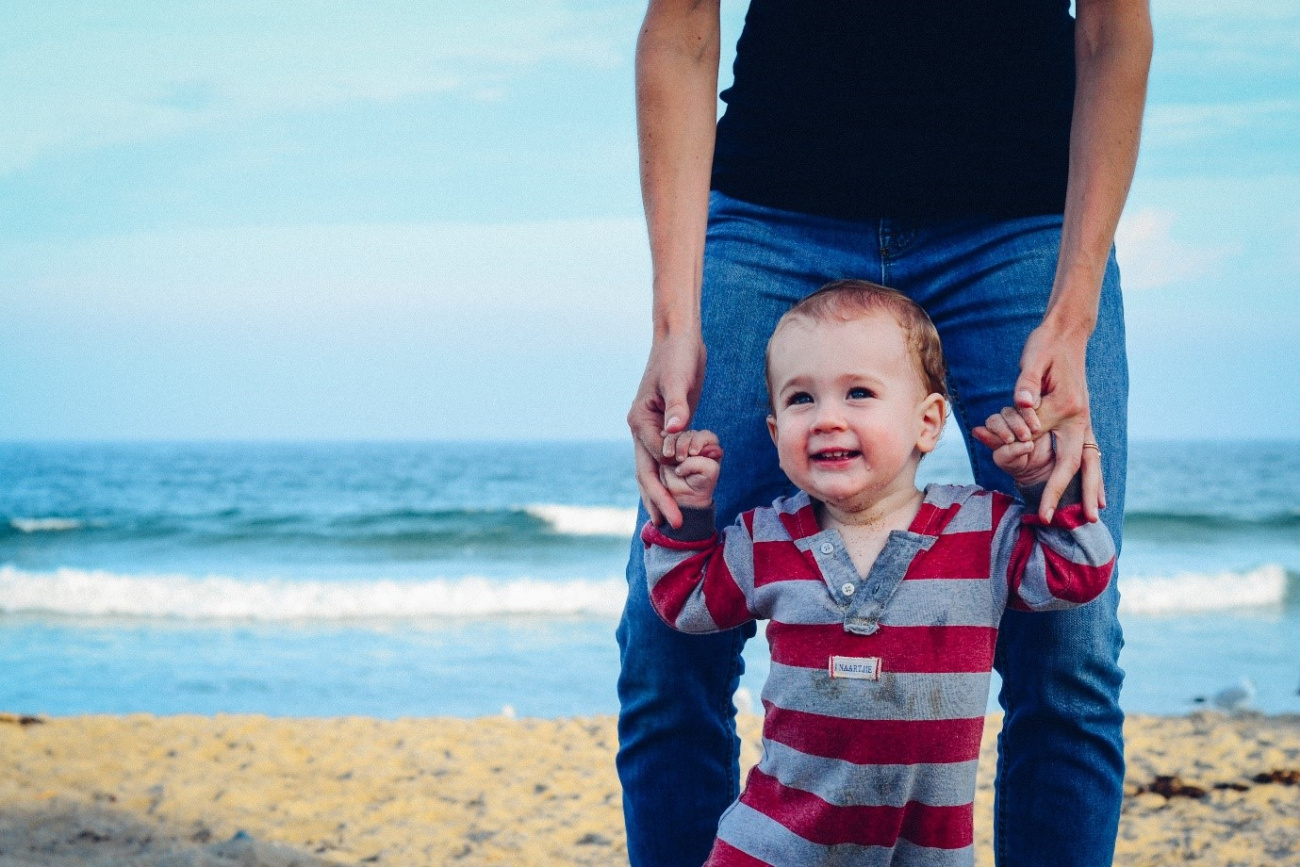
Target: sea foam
(45, 525)
(1192, 592)
(586, 520)
(98, 593)
(94, 593)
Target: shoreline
(232, 790)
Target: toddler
(883, 600)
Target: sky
(413, 220)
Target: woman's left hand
(1053, 387)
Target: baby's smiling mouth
(835, 455)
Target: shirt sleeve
(1049, 567)
(700, 581)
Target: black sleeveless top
(900, 108)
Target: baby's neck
(865, 531)
(894, 511)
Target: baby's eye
(798, 397)
(859, 393)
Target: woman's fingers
(658, 502)
(1069, 448)
(1094, 492)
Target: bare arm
(1112, 57)
(676, 97)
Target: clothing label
(858, 667)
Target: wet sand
(191, 791)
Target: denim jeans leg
(678, 751)
(1060, 754)
(1061, 751)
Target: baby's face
(851, 416)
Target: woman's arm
(1112, 58)
(676, 98)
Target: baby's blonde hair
(847, 300)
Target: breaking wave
(1191, 592)
(45, 525)
(94, 593)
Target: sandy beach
(190, 791)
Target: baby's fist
(689, 467)
(1028, 463)
(1027, 457)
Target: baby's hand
(689, 467)
(1026, 457)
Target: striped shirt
(875, 703)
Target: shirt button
(848, 589)
(828, 548)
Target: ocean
(467, 579)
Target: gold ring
(1093, 446)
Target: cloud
(1188, 123)
(1253, 136)
(1151, 258)
(1250, 11)
(77, 76)
(1248, 42)
(594, 274)
(439, 329)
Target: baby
(884, 600)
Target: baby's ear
(934, 411)
(771, 427)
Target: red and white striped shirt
(875, 703)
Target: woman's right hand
(663, 405)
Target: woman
(976, 157)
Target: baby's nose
(828, 417)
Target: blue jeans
(985, 283)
